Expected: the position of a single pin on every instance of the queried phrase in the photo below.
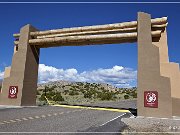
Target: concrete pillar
(155, 73)
(23, 72)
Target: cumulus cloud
(118, 76)
(1, 75)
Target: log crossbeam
(99, 34)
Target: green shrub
(42, 98)
(134, 95)
(87, 85)
(49, 89)
(105, 95)
(71, 89)
(58, 97)
(83, 91)
(73, 92)
(128, 92)
(40, 89)
(87, 95)
(79, 83)
(50, 95)
(99, 94)
(66, 92)
(126, 96)
(63, 87)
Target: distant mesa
(63, 83)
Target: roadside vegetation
(83, 93)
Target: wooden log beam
(127, 30)
(85, 40)
(160, 26)
(97, 42)
(115, 31)
(156, 21)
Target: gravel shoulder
(140, 125)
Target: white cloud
(117, 75)
(1, 75)
(49, 73)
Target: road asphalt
(59, 120)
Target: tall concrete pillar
(156, 74)
(23, 73)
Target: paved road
(55, 119)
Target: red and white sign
(13, 90)
(151, 99)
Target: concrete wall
(155, 73)
(23, 72)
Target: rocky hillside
(82, 92)
(63, 84)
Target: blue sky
(108, 63)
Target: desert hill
(82, 92)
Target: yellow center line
(93, 108)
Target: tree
(126, 96)
(87, 95)
(42, 98)
(66, 92)
(58, 97)
(50, 95)
(73, 92)
(134, 94)
(105, 95)
(63, 87)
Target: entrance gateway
(158, 79)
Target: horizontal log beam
(127, 30)
(85, 40)
(89, 43)
(156, 21)
(160, 26)
(115, 31)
